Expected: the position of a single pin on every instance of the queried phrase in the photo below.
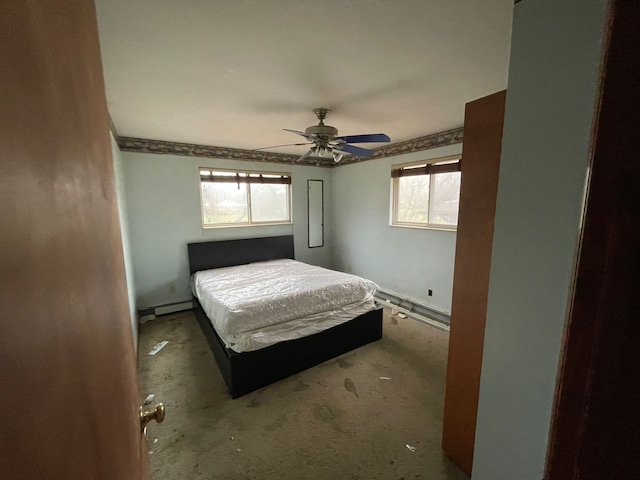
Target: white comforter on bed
(255, 305)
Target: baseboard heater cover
(149, 313)
(423, 313)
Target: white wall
(408, 261)
(124, 228)
(553, 75)
(163, 194)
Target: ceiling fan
(327, 144)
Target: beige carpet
(374, 413)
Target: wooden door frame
(595, 431)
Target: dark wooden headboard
(226, 253)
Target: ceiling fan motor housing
(324, 132)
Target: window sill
(231, 225)
(441, 228)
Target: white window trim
(393, 222)
(250, 223)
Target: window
(426, 194)
(236, 197)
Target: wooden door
(595, 432)
(481, 150)
(68, 389)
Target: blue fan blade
(361, 152)
(374, 137)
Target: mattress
(256, 305)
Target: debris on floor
(313, 427)
(385, 378)
(158, 347)
(410, 447)
(149, 399)
(401, 315)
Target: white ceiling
(234, 73)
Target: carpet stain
(300, 386)
(275, 425)
(344, 362)
(323, 412)
(350, 387)
(255, 402)
(330, 415)
(282, 421)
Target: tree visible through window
(426, 195)
(244, 197)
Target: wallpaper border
(162, 147)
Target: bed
(247, 371)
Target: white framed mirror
(315, 212)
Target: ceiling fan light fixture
(324, 152)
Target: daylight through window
(236, 197)
(426, 194)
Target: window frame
(249, 222)
(393, 220)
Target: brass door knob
(156, 414)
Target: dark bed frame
(249, 371)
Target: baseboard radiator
(397, 303)
(418, 311)
(149, 313)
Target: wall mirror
(315, 212)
